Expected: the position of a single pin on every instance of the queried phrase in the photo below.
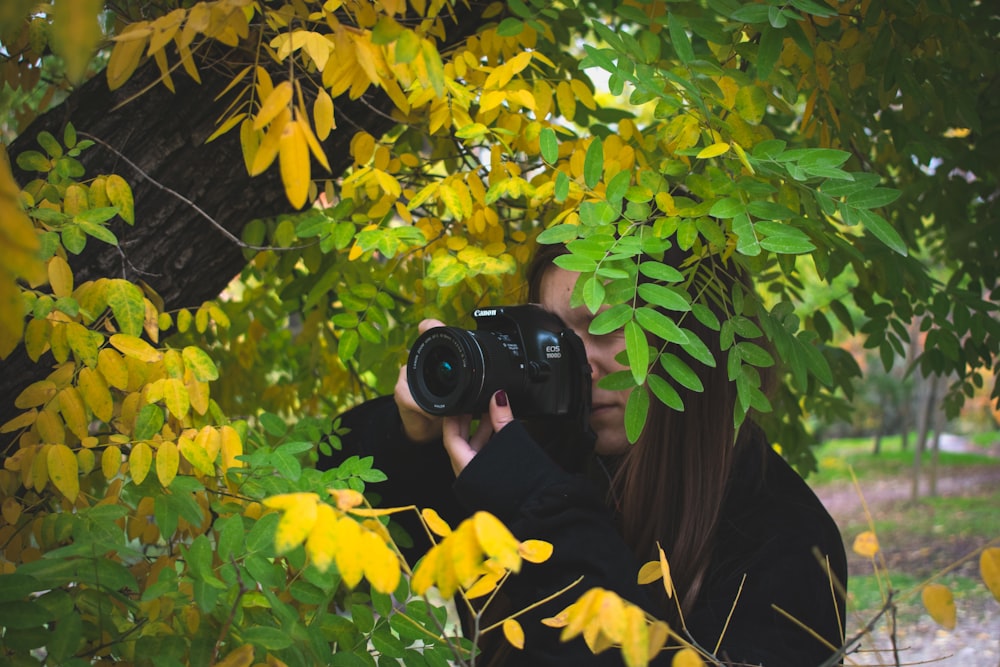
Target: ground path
(975, 642)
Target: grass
(837, 457)
(919, 539)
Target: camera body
(524, 349)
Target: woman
(744, 535)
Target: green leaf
(273, 424)
(618, 187)
(148, 422)
(697, 349)
(754, 354)
(272, 639)
(665, 297)
(873, 198)
(679, 39)
(126, 302)
(768, 51)
(883, 231)
(636, 410)
(562, 187)
(659, 325)
(575, 263)
(661, 271)
(612, 319)
(681, 372)
(593, 293)
(747, 242)
(729, 207)
(19, 615)
(510, 27)
(637, 350)
(99, 232)
(549, 145)
(200, 364)
(665, 392)
(593, 163)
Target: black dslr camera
(524, 350)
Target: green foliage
(762, 139)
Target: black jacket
(770, 526)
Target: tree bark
(174, 247)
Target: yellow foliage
(940, 604)
(989, 569)
(866, 544)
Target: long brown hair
(671, 484)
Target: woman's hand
(461, 447)
(417, 425)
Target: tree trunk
(173, 247)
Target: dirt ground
(975, 642)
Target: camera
(524, 349)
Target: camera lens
(445, 370)
(441, 371)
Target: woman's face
(607, 416)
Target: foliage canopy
(850, 139)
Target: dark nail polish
(501, 397)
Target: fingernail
(501, 397)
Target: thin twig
(225, 232)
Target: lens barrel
(454, 371)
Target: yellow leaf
(36, 334)
(241, 657)
(21, 421)
(167, 461)
(299, 513)
(650, 572)
(11, 510)
(64, 471)
(198, 395)
(196, 455)
(565, 100)
(989, 568)
(713, 150)
(312, 142)
(659, 633)
(50, 427)
(668, 582)
(73, 412)
(76, 32)
(83, 342)
(583, 93)
(267, 151)
(611, 613)
(514, 633)
(348, 556)
(497, 541)
(60, 277)
(866, 544)
(135, 347)
(38, 474)
(112, 366)
(96, 394)
(485, 585)
(346, 498)
(380, 564)
(466, 556)
(127, 53)
(276, 102)
(435, 523)
(687, 657)
(140, 461)
(175, 395)
(232, 446)
(321, 543)
(35, 394)
(423, 574)
(111, 461)
(323, 117)
(444, 573)
(535, 551)
(635, 643)
(293, 159)
(940, 604)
